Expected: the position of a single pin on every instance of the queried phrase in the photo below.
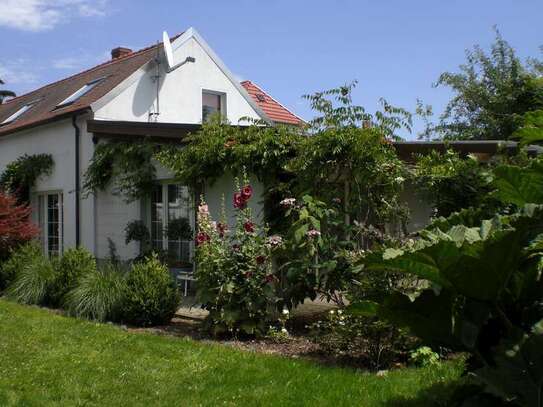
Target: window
(18, 113)
(51, 222)
(212, 103)
(171, 202)
(76, 95)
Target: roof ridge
(272, 98)
(100, 65)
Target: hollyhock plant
(249, 227)
(236, 281)
(246, 192)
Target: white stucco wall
(57, 139)
(180, 91)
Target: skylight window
(82, 91)
(18, 113)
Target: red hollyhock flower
(270, 278)
(249, 227)
(239, 202)
(202, 238)
(246, 192)
(260, 259)
(222, 229)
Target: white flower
(275, 240)
(288, 202)
(284, 330)
(285, 311)
(399, 180)
(313, 233)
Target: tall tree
(492, 91)
(5, 93)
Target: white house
(130, 95)
(135, 94)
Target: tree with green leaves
(4, 93)
(492, 91)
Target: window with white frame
(51, 222)
(171, 208)
(212, 103)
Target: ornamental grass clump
(73, 264)
(33, 276)
(98, 295)
(236, 281)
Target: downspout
(77, 181)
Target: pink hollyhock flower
(202, 238)
(203, 210)
(249, 227)
(260, 259)
(247, 192)
(239, 202)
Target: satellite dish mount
(169, 54)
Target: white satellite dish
(169, 54)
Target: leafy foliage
(531, 130)
(20, 175)
(15, 226)
(73, 264)
(34, 278)
(98, 295)
(127, 164)
(137, 231)
(19, 258)
(236, 281)
(492, 92)
(151, 297)
(179, 229)
(451, 183)
(485, 288)
(364, 339)
(424, 356)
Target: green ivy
(21, 174)
(127, 164)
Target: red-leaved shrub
(15, 224)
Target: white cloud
(18, 72)
(40, 15)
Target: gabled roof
(271, 107)
(46, 99)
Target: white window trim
(165, 217)
(14, 116)
(44, 216)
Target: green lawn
(47, 359)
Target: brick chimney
(120, 52)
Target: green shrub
(360, 340)
(16, 261)
(70, 267)
(33, 276)
(424, 356)
(98, 294)
(151, 297)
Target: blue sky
(396, 49)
